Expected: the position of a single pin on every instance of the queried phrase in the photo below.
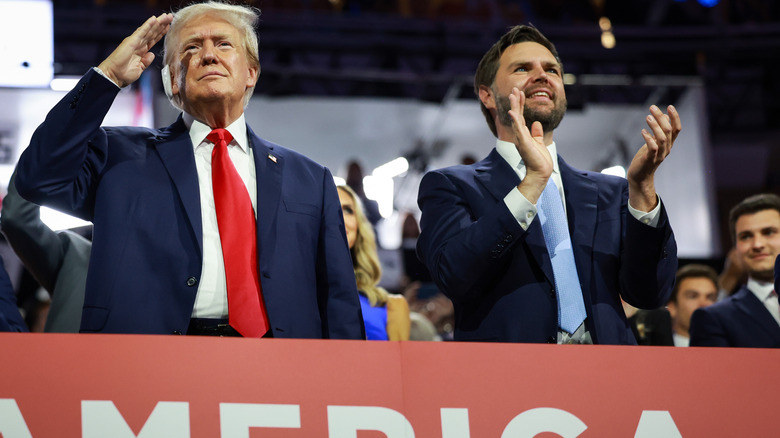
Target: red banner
(179, 387)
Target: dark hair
(488, 66)
(750, 205)
(692, 271)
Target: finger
(662, 119)
(650, 144)
(660, 137)
(674, 118)
(153, 29)
(516, 99)
(537, 132)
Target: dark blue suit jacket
(139, 187)
(740, 320)
(500, 277)
(10, 318)
(777, 274)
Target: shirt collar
(509, 153)
(199, 131)
(760, 289)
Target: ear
(487, 97)
(251, 79)
(174, 84)
(672, 308)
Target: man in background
(57, 260)
(750, 317)
(695, 286)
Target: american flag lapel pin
(272, 158)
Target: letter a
(12, 423)
(656, 423)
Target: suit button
(551, 340)
(175, 332)
(552, 292)
(192, 281)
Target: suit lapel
(498, 177)
(268, 169)
(581, 211)
(177, 155)
(747, 302)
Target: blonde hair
(365, 259)
(243, 18)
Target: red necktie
(238, 235)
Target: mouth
(539, 95)
(212, 74)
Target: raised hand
(126, 63)
(530, 145)
(664, 129)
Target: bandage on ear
(166, 80)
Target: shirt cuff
(520, 207)
(100, 72)
(651, 218)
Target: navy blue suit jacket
(740, 320)
(500, 277)
(10, 318)
(139, 187)
(777, 274)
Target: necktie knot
(219, 135)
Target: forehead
(699, 284)
(527, 51)
(758, 220)
(345, 197)
(207, 25)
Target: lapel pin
(272, 158)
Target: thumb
(537, 132)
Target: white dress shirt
(680, 340)
(211, 300)
(525, 211)
(763, 291)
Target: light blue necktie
(571, 308)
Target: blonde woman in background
(385, 315)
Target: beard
(550, 119)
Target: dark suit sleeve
(777, 274)
(462, 253)
(707, 330)
(39, 248)
(67, 152)
(336, 286)
(10, 318)
(648, 262)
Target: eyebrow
(200, 37)
(545, 64)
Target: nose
(539, 73)
(208, 54)
(758, 243)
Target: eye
(552, 70)
(520, 69)
(348, 210)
